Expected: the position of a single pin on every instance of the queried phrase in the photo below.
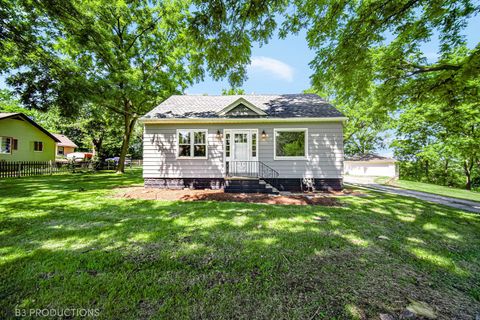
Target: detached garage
(370, 165)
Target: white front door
(241, 149)
(240, 146)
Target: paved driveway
(368, 182)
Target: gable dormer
(241, 108)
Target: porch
(250, 177)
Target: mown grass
(432, 188)
(65, 243)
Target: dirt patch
(218, 195)
(299, 200)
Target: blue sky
(281, 66)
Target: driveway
(369, 183)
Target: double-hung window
(38, 146)
(5, 145)
(290, 144)
(192, 143)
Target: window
(38, 146)
(5, 145)
(240, 138)
(15, 144)
(227, 145)
(60, 151)
(290, 144)
(192, 143)
(254, 144)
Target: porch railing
(253, 169)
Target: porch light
(219, 135)
(264, 135)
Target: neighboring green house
(21, 139)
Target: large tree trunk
(467, 168)
(445, 172)
(129, 124)
(427, 170)
(97, 145)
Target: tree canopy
(124, 57)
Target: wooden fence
(33, 168)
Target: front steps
(248, 185)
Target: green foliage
(90, 128)
(441, 142)
(360, 44)
(9, 104)
(232, 91)
(364, 132)
(290, 144)
(125, 58)
(369, 60)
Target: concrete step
(250, 185)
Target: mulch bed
(322, 199)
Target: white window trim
(11, 145)
(254, 131)
(177, 145)
(232, 132)
(275, 130)
(34, 146)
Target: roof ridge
(237, 95)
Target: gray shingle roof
(275, 106)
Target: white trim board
(240, 120)
(192, 144)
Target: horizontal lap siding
(160, 160)
(325, 152)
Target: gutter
(239, 120)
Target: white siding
(362, 168)
(325, 151)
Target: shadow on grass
(65, 243)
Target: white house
(244, 143)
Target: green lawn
(64, 243)
(432, 188)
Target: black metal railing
(252, 169)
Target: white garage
(370, 165)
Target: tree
(233, 91)
(373, 51)
(440, 139)
(378, 43)
(127, 57)
(364, 132)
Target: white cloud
(274, 66)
